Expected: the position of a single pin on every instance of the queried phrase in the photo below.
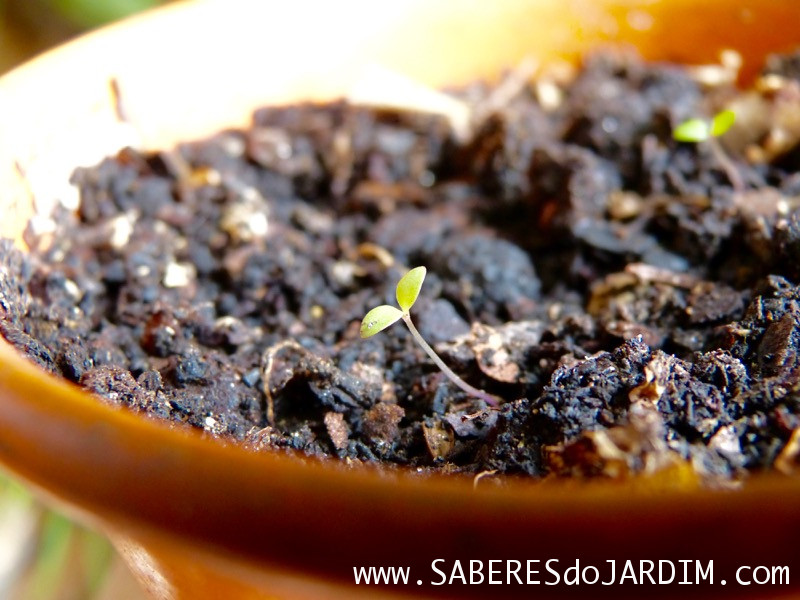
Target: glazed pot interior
(192, 69)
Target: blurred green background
(28, 27)
(44, 555)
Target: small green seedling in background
(696, 131)
(385, 315)
(701, 130)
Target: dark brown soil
(633, 310)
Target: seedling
(695, 131)
(385, 315)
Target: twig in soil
(268, 362)
(509, 88)
(476, 415)
(385, 315)
(116, 98)
(382, 88)
(650, 274)
(481, 475)
(382, 255)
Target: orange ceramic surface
(201, 519)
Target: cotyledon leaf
(722, 122)
(378, 319)
(408, 287)
(693, 130)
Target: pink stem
(488, 398)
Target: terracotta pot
(200, 519)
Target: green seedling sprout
(383, 316)
(695, 131)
